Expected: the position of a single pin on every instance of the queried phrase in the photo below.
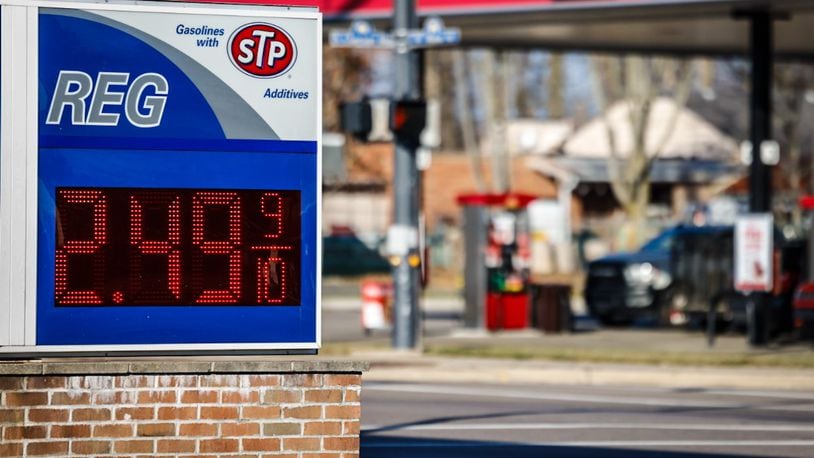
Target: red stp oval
(262, 50)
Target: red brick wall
(206, 415)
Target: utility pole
(761, 49)
(764, 151)
(408, 118)
(761, 44)
(406, 273)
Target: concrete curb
(447, 370)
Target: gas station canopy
(674, 27)
(708, 27)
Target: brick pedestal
(213, 408)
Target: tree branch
(682, 93)
(465, 119)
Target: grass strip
(349, 348)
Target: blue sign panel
(178, 179)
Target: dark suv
(625, 287)
(674, 278)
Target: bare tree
(345, 75)
(791, 82)
(792, 112)
(556, 87)
(464, 116)
(638, 81)
(491, 71)
(440, 84)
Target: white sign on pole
(753, 252)
(362, 34)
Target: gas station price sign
(132, 246)
(169, 197)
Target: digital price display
(131, 246)
(166, 181)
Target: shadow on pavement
(437, 420)
(396, 447)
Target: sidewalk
(656, 362)
(649, 357)
(620, 356)
(394, 366)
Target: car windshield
(662, 242)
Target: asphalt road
(473, 421)
(346, 326)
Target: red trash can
(506, 311)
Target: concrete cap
(237, 365)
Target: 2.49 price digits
(128, 246)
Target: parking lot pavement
(479, 420)
(443, 313)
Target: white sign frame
(19, 176)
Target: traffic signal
(377, 120)
(408, 118)
(355, 118)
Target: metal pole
(406, 182)
(760, 191)
(475, 239)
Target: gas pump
(496, 272)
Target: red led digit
(229, 247)
(169, 247)
(267, 275)
(271, 275)
(271, 206)
(68, 202)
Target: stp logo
(262, 50)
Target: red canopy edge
(508, 200)
(381, 8)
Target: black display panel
(165, 247)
